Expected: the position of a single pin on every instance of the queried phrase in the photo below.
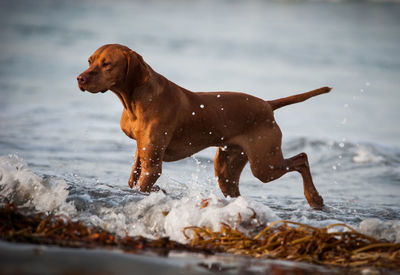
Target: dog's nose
(81, 79)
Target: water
(74, 159)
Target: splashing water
(18, 184)
(126, 212)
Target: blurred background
(266, 48)
(269, 49)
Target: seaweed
(294, 241)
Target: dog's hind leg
(274, 166)
(300, 164)
(267, 163)
(229, 163)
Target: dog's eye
(89, 61)
(105, 64)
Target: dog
(170, 123)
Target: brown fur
(170, 123)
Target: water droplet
(242, 153)
(218, 96)
(271, 167)
(222, 109)
(147, 173)
(201, 106)
(287, 168)
(144, 148)
(193, 113)
(361, 90)
(159, 174)
(341, 145)
(226, 180)
(210, 133)
(222, 138)
(166, 133)
(334, 167)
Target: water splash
(19, 185)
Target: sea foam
(387, 230)
(21, 186)
(157, 214)
(366, 155)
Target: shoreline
(23, 258)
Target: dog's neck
(137, 99)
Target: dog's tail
(281, 102)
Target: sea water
(63, 152)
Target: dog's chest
(128, 125)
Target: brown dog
(170, 123)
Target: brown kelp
(300, 242)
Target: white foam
(388, 230)
(160, 215)
(19, 185)
(233, 212)
(364, 155)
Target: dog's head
(113, 67)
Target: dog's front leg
(151, 167)
(136, 170)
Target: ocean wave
(21, 186)
(161, 215)
(387, 230)
(127, 212)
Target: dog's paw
(133, 179)
(316, 202)
(148, 189)
(131, 182)
(155, 188)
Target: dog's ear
(137, 71)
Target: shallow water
(78, 160)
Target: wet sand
(39, 259)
